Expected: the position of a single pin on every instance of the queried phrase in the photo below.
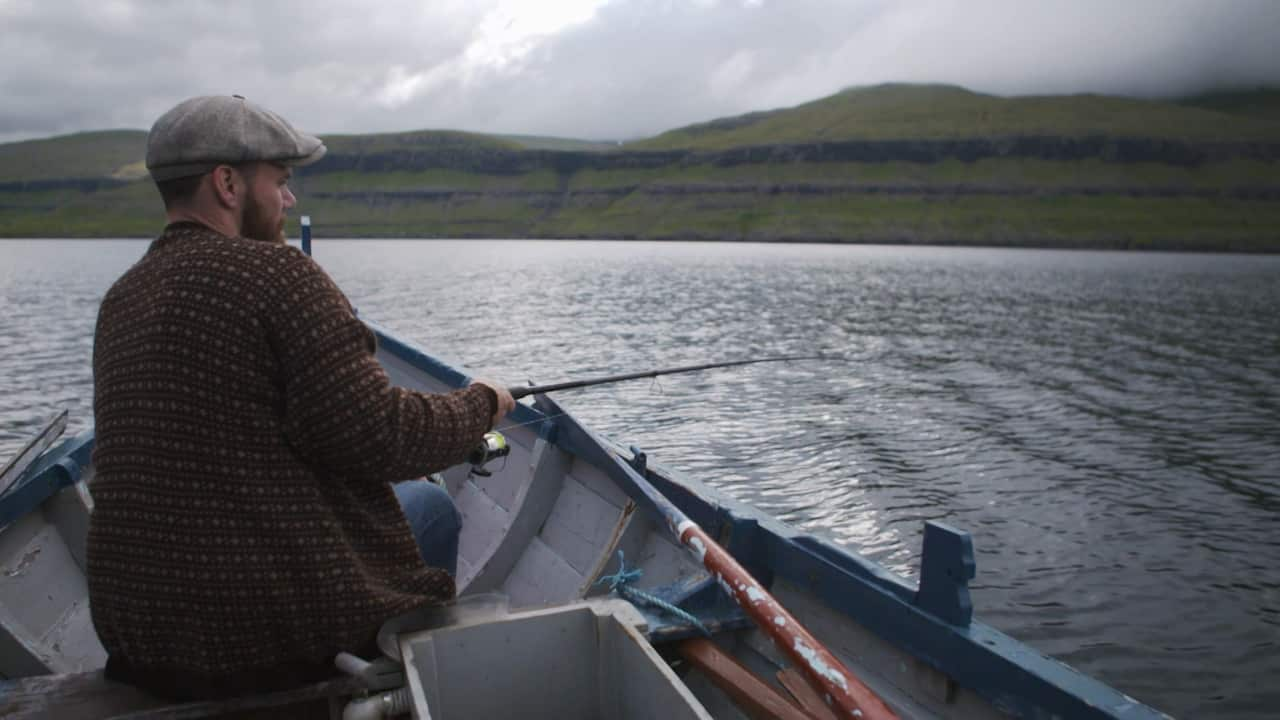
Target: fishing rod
(519, 392)
(494, 445)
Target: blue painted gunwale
(58, 468)
(1012, 676)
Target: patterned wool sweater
(244, 528)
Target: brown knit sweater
(244, 528)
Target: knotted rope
(620, 583)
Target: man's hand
(506, 403)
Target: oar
(519, 392)
(38, 444)
(841, 689)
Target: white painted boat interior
(602, 667)
(561, 524)
(44, 599)
(542, 529)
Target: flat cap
(202, 133)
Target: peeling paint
(811, 656)
(779, 621)
(671, 524)
(756, 596)
(698, 548)
(24, 563)
(724, 584)
(684, 525)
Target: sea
(1106, 425)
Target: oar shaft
(519, 392)
(827, 674)
(823, 670)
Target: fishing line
(525, 391)
(519, 392)
(531, 422)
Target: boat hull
(555, 517)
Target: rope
(620, 582)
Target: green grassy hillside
(416, 141)
(1260, 103)
(105, 154)
(909, 112)
(541, 142)
(961, 168)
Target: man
(245, 527)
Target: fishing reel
(492, 446)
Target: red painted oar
(839, 687)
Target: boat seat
(85, 696)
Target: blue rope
(620, 582)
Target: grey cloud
(637, 67)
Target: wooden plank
(895, 674)
(538, 496)
(305, 701)
(580, 523)
(599, 483)
(45, 624)
(70, 697)
(754, 696)
(821, 667)
(663, 560)
(541, 577)
(804, 694)
(69, 511)
(622, 532)
(484, 523)
(82, 696)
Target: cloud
(593, 68)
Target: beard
(255, 224)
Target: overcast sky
(599, 69)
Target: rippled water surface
(1106, 425)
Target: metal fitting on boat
(385, 705)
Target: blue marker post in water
(306, 234)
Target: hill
(931, 112)
(432, 141)
(1258, 103)
(104, 154)
(903, 164)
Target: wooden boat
(541, 530)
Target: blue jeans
(434, 520)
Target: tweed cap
(201, 133)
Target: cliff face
(501, 161)
(1092, 191)
(1199, 179)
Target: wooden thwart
(804, 694)
(753, 695)
(86, 696)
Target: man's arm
(341, 412)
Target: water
(1104, 424)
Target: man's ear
(228, 186)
